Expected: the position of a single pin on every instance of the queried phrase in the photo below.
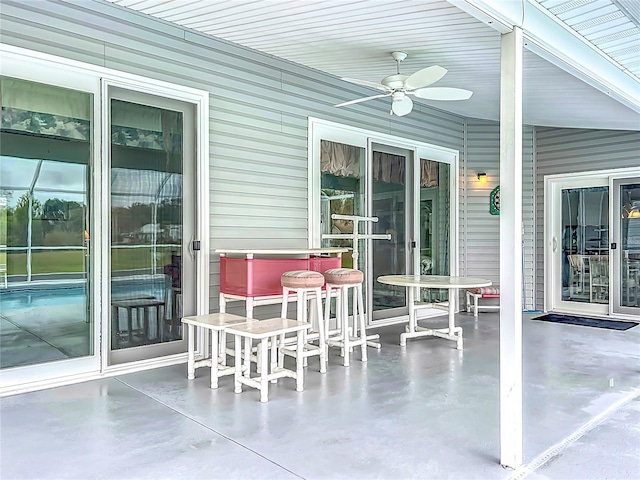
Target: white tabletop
(434, 281)
(217, 321)
(281, 251)
(267, 328)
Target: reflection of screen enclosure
(45, 162)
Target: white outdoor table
(414, 283)
(282, 254)
(217, 324)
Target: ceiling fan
(399, 87)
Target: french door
(408, 187)
(592, 246)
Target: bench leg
(264, 371)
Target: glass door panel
(45, 168)
(578, 245)
(152, 222)
(626, 256)
(585, 245)
(434, 224)
(391, 202)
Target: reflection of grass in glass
(73, 261)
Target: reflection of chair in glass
(173, 292)
(599, 278)
(630, 279)
(3, 265)
(578, 277)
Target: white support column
(511, 249)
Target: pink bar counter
(253, 276)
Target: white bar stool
(303, 282)
(343, 279)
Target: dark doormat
(586, 321)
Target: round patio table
(415, 282)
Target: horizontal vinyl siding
(259, 110)
(566, 151)
(482, 232)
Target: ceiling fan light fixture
(402, 106)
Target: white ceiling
(351, 38)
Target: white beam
(511, 249)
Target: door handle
(554, 244)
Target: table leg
(238, 372)
(130, 323)
(247, 357)
(191, 370)
(214, 358)
(222, 347)
(452, 320)
(412, 316)
(264, 375)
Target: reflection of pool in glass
(46, 323)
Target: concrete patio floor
(426, 411)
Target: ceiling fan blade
(425, 77)
(358, 100)
(443, 93)
(366, 83)
(402, 106)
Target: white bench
(267, 333)
(475, 294)
(217, 324)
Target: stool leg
(301, 316)
(322, 341)
(476, 299)
(238, 372)
(285, 302)
(191, 371)
(344, 304)
(264, 371)
(214, 358)
(468, 303)
(363, 328)
(327, 312)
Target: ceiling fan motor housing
(394, 81)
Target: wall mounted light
(482, 178)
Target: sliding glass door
(592, 246)
(48, 316)
(152, 204)
(407, 188)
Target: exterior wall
(561, 151)
(482, 230)
(259, 109)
